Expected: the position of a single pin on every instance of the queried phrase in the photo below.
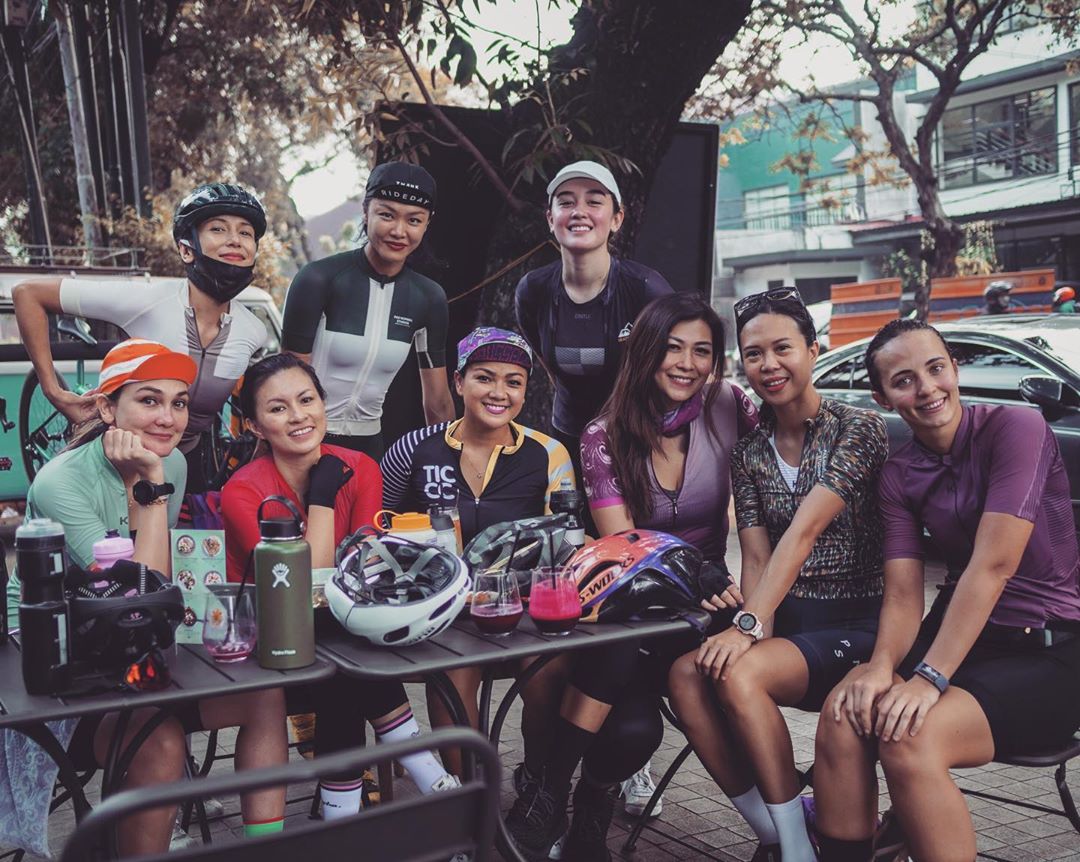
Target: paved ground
(699, 823)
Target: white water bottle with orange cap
(414, 526)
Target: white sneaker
(214, 807)
(638, 790)
(556, 849)
(180, 839)
(446, 782)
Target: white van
(15, 366)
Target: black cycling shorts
(1030, 695)
(833, 636)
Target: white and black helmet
(393, 592)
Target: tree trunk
(645, 59)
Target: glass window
(990, 372)
(767, 209)
(1015, 136)
(838, 377)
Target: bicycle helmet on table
(534, 542)
(393, 592)
(636, 573)
(120, 619)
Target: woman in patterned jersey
(805, 484)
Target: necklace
(472, 466)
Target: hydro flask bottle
(41, 557)
(283, 609)
(567, 500)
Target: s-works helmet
(628, 574)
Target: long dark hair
(92, 428)
(266, 368)
(635, 410)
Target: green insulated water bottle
(284, 613)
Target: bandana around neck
(675, 420)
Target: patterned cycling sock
(423, 767)
(340, 798)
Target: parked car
(1027, 359)
(14, 364)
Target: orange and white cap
(138, 359)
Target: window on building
(832, 200)
(1074, 122)
(767, 209)
(1015, 136)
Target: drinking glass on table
(554, 602)
(496, 602)
(229, 623)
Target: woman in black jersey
(576, 311)
(353, 315)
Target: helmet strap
(219, 280)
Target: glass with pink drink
(554, 603)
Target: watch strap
(933, 676)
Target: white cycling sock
(340, 798)
(752, 807)
(423, 767)
(790, 825)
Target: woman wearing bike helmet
(578, 311)
(493, 470)
(217, 228)
(142, 403)
(354, 315)
(805, 484)
(656, 459)
(337, 490)
(992, 670)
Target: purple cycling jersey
(698, 511)
(1004, 460)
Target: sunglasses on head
(775, 294)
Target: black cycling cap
(403, 183)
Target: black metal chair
(424, 829)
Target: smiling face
(687, 362)
(289, 413)
(582, 215)
(156, 410)
(919, 381)
(394, 232)
(493, 392)
(777, 360)
(228, 238)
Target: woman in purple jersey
(656, 458)
(994, 668)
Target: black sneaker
(593, 807)
(523, 779)
(536, 821)
(767, 853)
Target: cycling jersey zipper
(377, 301)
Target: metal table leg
(503, 841)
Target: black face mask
(219, 280)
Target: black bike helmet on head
(217, 199)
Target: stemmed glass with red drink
(554, 602)
(496, 602)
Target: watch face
(746, 622)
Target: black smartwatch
(146, 493)
(933, 676)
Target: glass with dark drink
(496, 603)
(554, 603)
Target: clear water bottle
(569, 501)
(41, 556)
(443, 525)
(284, 613)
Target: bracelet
(157, 501)
(933, 676)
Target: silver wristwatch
(748, 623)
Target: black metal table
(462, 645)
(195, 675)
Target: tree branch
(485, 166)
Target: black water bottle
(569, 501)
(41, 557)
